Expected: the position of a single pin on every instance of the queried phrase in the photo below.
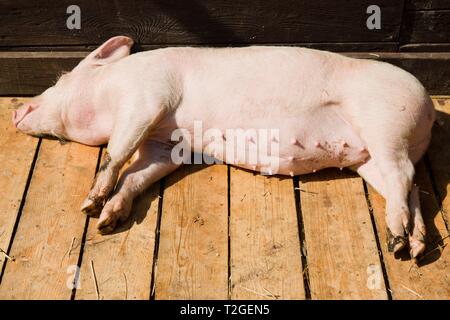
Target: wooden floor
(212, 232)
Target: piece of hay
(94, 277)
(412, 291)
(68, 252)
(6, 255)
(306, 191)
(258, 293)
(126, 285)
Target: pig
(330, 111)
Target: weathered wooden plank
(425, 47)
(426, 26)
(342, 254)
(28, 73)
(193, 248)
(43, 22)
(47, 240)
(439, 153)
(429, 279)
(16, 156)
(264, 238)
(122, 260)
(427, 4)
(330, 46)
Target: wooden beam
(30, 73)
(425, 47)
(330, 46)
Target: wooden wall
(425, 26)
(31, 29)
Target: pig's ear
(112, 50)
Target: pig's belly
(305, 143)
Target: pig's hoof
(417, 239)
(395, 243)
(106, 226)
(117, 209)
(92, 207)
(416, 247)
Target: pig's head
(65, 110)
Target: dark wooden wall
(28, 29)
(211, 22)
(425, 26)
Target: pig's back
(247, 86)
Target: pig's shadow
(433, 180)
(431, 195)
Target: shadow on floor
(142, 203)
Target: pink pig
(329, 110)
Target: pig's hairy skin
(374, 117)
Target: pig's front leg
(153, 163)
(131, 127)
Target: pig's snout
(20, 114)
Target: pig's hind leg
(403, 213)
(130, 130)
(153, 163)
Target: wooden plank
(122, 260)
(47, 241)
(43, 22)
(29, 73)
(137, 47)
(430, 279)
(439, 153)
(425, 47)
(193, 248)
(426, 26)
(264, 238)
(426, 4)
(342, 254)
(16, 156)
